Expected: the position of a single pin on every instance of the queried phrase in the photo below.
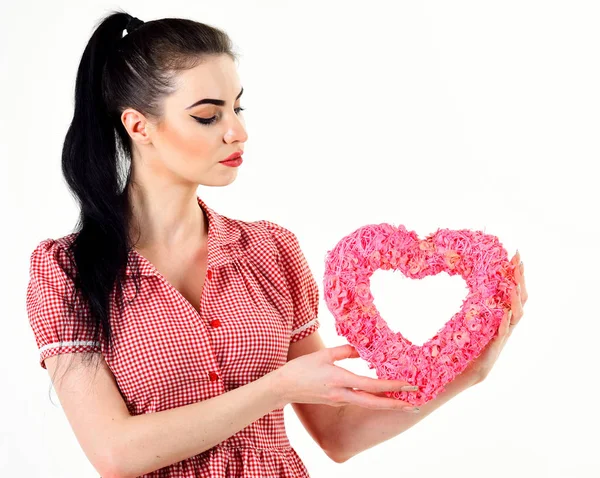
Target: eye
(209, 121)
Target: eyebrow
(213, 101)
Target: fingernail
(411, 409)
(409, 388)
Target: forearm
(154, 440)
(358, 428)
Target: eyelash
(209, 121)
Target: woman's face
(190, 141)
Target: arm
(343, 432)
(123, 446)
(376, 426)
(152, 441)
(358, 429)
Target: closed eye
(209, 121)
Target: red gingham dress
(259, 295)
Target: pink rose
(362, 292)
(451, 258)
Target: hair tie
(133, 24)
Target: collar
(222, 231)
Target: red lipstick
(234, 159)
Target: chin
(224, 180)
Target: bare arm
(152, 441)
(376, 426)
(358, 429)
(121, 446)
(345, 431)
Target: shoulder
(262, 228)
(280, 241)
(55, 244)
(53, 254)
(250, 233)
(259, 239)
(283, 238)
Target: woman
(202, 327)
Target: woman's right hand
(314, 378)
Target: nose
(236, 131)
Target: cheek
(186, 142)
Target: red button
(215, 323)
(208, 274)
(213, 376)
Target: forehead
(216, 77)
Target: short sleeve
(300, 280)
(55, 326)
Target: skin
(481, 367)
(171, 158)
(364, 416)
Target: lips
(236, 155)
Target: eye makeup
(209, 121)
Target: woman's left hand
(478, 369)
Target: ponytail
(118, 72)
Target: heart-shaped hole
(417, 308)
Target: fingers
(342, 352)
(520, 276)
(505, 324)
(374, 385)
(524, 295)
(516, 306)
(371, 390)
(518, 294)
(368, 400)
(505, 328)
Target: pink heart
(480, 260)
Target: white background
(480, 115)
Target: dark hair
(116, 72)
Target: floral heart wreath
(480, 260)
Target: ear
(137, 126)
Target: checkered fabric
(259, 295)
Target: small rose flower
(363, 291)
(427, 245)
(416, 267)
(461, 337)
(451, 258)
